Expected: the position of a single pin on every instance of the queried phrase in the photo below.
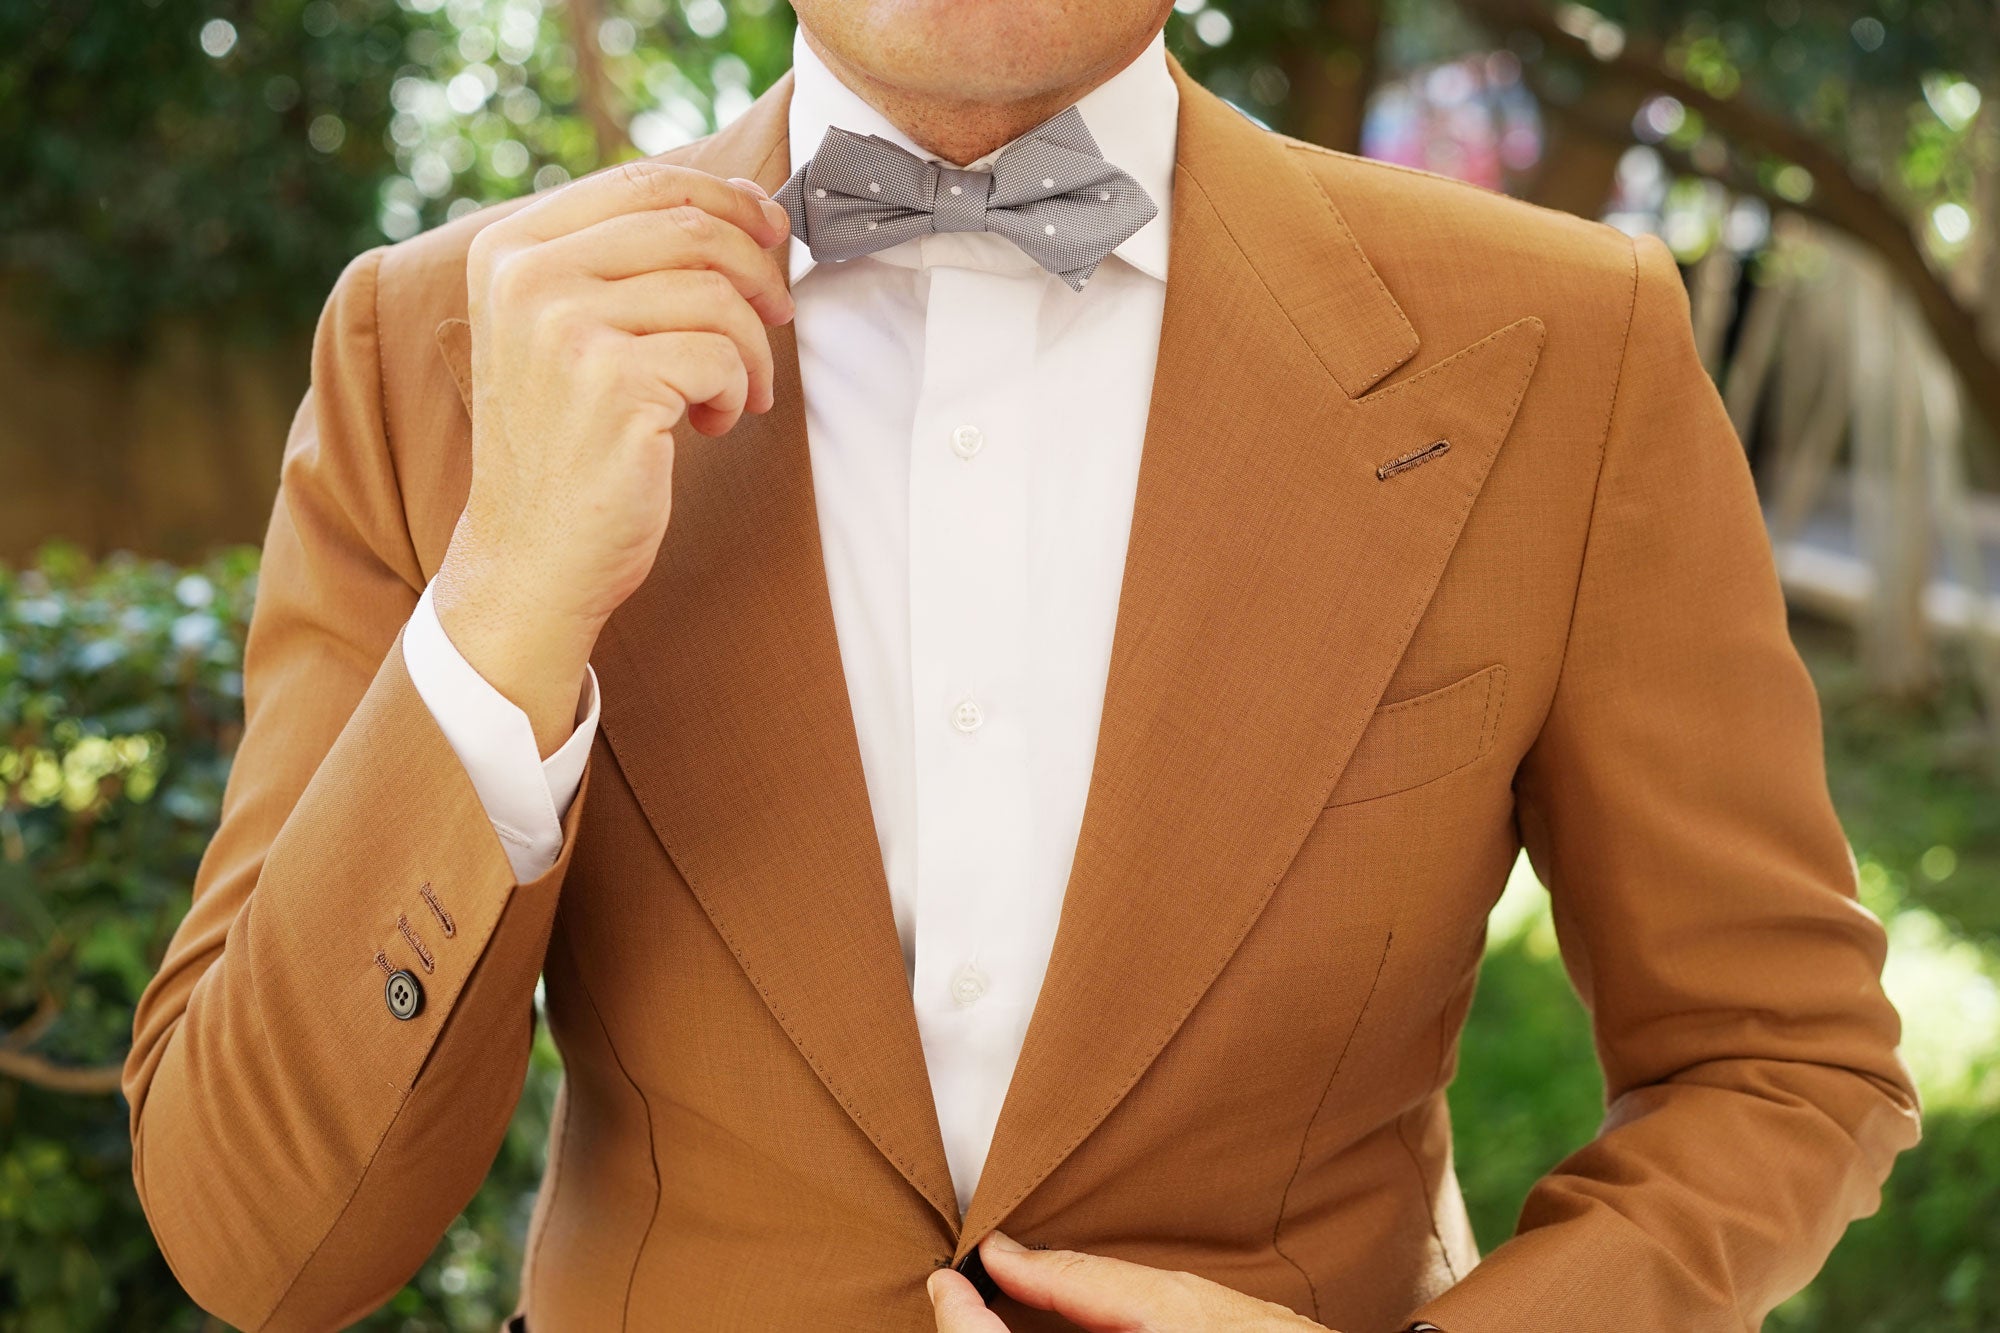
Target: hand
(602, 316)
(1102, 1296)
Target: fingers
(703, 370)
(1111, 1296)
(695, 300)
(676, 238)
(637, 187)
(1102, 1295)
(957, 1305)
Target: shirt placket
(969, 637)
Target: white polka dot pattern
(1050, 192)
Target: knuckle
(1067, 1263)
(722, 356)
(578, 339)
(513, 278)
(645, 179)
(694, 221)
(713, 287)
(560, 313)
(479, 254)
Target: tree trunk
(1579, 168)
(1838, 199)
(594, 89)
(1332, 77)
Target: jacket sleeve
(1675, 803)
(297, 1148)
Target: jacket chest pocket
(1419, 740)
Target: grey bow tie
(1050, 192)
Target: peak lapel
(1271, 585)
(725, 704)
(726, 708)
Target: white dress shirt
(974, 428)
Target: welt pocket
(1419, 740)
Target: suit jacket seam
(1416, 1161)
(382, 416)
(688, 874)
(1430, 1208)
(1527, 797)
(360, 1178)
(1305, 1136)
(552, 1176)
(652, 1141)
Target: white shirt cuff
(524, 795)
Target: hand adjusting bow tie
(1050, 192)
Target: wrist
(521, 637)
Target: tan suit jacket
(1340, 699)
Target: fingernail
(750, 185)
(775, 212)
(930, 1286)
(1005, 1243)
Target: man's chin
(980, 52)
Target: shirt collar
(1133, 115)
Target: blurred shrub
(120, 694)
(210, 157)
(120, 703)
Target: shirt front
(974, 429)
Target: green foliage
(148, 178)
(120, 694)
(222, 159)
(488, 100)
(1915, 784)
(1528, 1092)
(1893, 90)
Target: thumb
(1100, 1294)
(956, 1304)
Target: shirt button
(967, 441)
(405, 994)
(967, 717)
(968, 985)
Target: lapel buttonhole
(1404, 462)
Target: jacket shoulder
(1462, 260)
(1504, 236)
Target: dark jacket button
(975, 1272)
(406, 995)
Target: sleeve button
(406, 995)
